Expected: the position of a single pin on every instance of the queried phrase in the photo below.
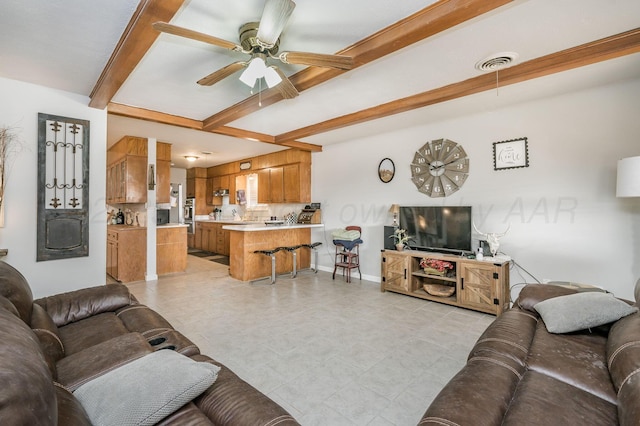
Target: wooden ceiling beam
(188, 123)
(597, 51)
(155, 116)
(425, 23)
(136, 39)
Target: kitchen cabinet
(197, 189)
(214, 184)
(197, 236)
(283, 184)
(276, 189)
(222, 246)
(126, 252)
(211, 237)
(283, 177)
(291, 182)
(127, 179)
(232, 189)
(264, 186)
(171, 249)
(127, 171)
(163, 182)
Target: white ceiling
(65, 45)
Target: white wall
(566, 223)
(20, 104)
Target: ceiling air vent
(497, 61)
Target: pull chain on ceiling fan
(261, 40)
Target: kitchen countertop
(227, 221)
(262, 227)
(130, 227)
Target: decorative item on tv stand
(440, 268)
(493, 238)
(400, 238)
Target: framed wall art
(511, 154)
(386, 170)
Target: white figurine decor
(493, 239)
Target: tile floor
(329, 352)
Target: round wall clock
(440, 168)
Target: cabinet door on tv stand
(395, 271)
(478, 287)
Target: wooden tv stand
(481, 285)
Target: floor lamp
(628, 185)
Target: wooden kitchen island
(245, 265)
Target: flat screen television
(437, 228)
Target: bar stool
(314, 247)
(292, 249)
(272, 254)
(348, 254)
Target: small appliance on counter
(162, 216)
(310, 214)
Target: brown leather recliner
(518, 373)
(51, 346)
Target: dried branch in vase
(9, 146)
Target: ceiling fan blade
(222, 73)
(195, 35)
(317, 60)
(286, 87)
(275, 15)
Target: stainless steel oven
(189, 209)
(189, 214)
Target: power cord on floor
(519, 268)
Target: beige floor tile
(331, 353)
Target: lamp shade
(272, 77)
(395, 209)
(628, 184)
(254, 71)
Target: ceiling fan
(261, 40)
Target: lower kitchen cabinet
(211, 237)
(171, 250)
(126, 252)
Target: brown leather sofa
(518, 373)
(52, 346)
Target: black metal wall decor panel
(63, 187)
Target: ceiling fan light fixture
(275, 15)
(272, 77)
(254, 71)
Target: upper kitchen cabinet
(197, 189)
(283, 177)
(290, 183)
(163, 172)
(127, 171)
(126, 180)
(215, 185)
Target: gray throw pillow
(580, 311)
(146, 390)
